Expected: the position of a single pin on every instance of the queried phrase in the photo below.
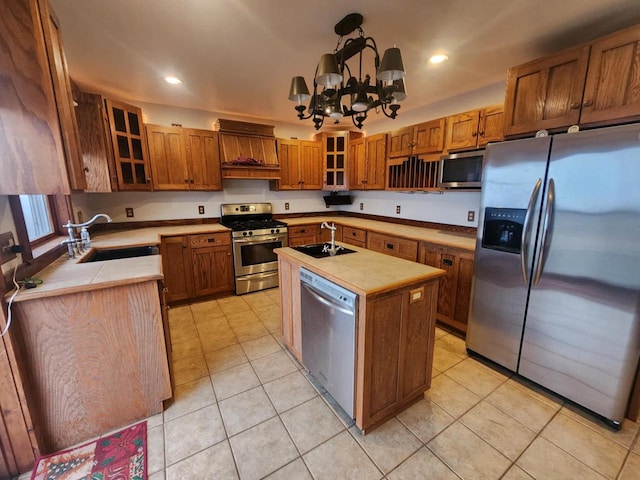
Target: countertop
(365, 272)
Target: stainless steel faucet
(333, 249)
(76, 245)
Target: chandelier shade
(340, 90)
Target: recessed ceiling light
(173, 80)
(438, 58)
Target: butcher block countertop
(447, 238)
(364, 272)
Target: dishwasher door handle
(324, 300)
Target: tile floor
(244, 409)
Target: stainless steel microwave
(461, 170)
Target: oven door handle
(324, 300)
(261, 240)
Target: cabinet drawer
(303, 230)
(398, 247)
(209, 240)
(354, 234)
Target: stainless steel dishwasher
(329, 336)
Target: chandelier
(338, 92)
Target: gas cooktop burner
(255, 225)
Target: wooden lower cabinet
(325, 234)
(304, 235)
(290, 311)
(454, 298)
(197, 265)
(354, 236)
(396, 246)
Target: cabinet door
(357, 165)
(64, 99)
(176, 268)
(354, 236)
(462, 130)
(212, 270)
(463, 292)
(398, 247)
(428, 137)
(203, 158)
(168, 158)
(612, 90)
(30, 138)
(400, 143)
(545, 93)
(491, 125)
(335, 152)
(290, 310)
(310, 162)
(288, 157)
(129, 146)
(376, 161)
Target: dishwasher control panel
(335, 292)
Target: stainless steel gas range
(255, 234)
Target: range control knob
(277, 230)
(273, 231)
(244, 234)
(250, 233)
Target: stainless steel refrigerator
(556, 293)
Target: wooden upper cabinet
(474, 128)
(311, 165)
(335, 152)
(129, 146)
(168, 157)
(423, 138)
(546, 93)
(289, 159)
(400, 143)
(375, 161)
(357, 164)
(203, 155)
(612, 89)
(300, 165)
(30, 137)
(235, 146)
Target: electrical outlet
(398, 209)
(201, 209)
(286, 206)
(129, 212)
(361, 206)
(6, 242)
(471, 216)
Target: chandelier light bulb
(441, 57)
(173, 80)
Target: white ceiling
(238, 56)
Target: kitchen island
(395, 324)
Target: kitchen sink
(99, 255)
(315, 250)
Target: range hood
(247, 150)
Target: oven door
(255, 254)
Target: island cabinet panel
(396, 246)
(177, 268)
(93, 360)
(290, 309)
(354, 236)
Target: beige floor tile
(262, 449)
(273, 366)
(155, 420)
(245, 410)
(190, 397)
(183, 330)
(451, 396)
(516, 473)
(444, 359)
(467, 454)
(186, 349)
(624, 436)
(588, 446)
(268, 312)
(423, 465)
(453, 344)
(226, 357)
(155, 449)
(189, 369)
(250, 331)
(258, 300)
(208, 308)
(242, 318)
(214, 463)
(440, 332)
(295, 470)
(522, 405)
(213, 328)
(234, 380)
(311, 423)
(341, 457)
(631, 469)
(554, 401)
(274, 326)
(498, 429)
(192, 433)
(157, 476)
(476, 377)
(260, 347)
(211, 319)
(179, 314)
(425, 419)
(289, 391)
(224, 339)
(233, 304)
(388, 445)
(543, 460)
(636, 447)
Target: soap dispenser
(85, 240)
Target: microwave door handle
(526, 233)
(547, 225)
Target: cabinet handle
(353, 233)
(148, 180)
(473, 134)
(191, 180)
(574, 105)
(86, 169)
(211, 240)
(481, 133)
(587, 103)
(390, 246)
(303, 231)
(447, 261)
(186, 180)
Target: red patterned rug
(121, 455)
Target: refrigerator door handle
(524, 242)
(548, 219)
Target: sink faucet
(333, 249)
(78, 244)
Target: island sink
(117, 253)
(320, 250)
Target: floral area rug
(121, 455)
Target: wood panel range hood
(247, 150)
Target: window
(37, 216)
